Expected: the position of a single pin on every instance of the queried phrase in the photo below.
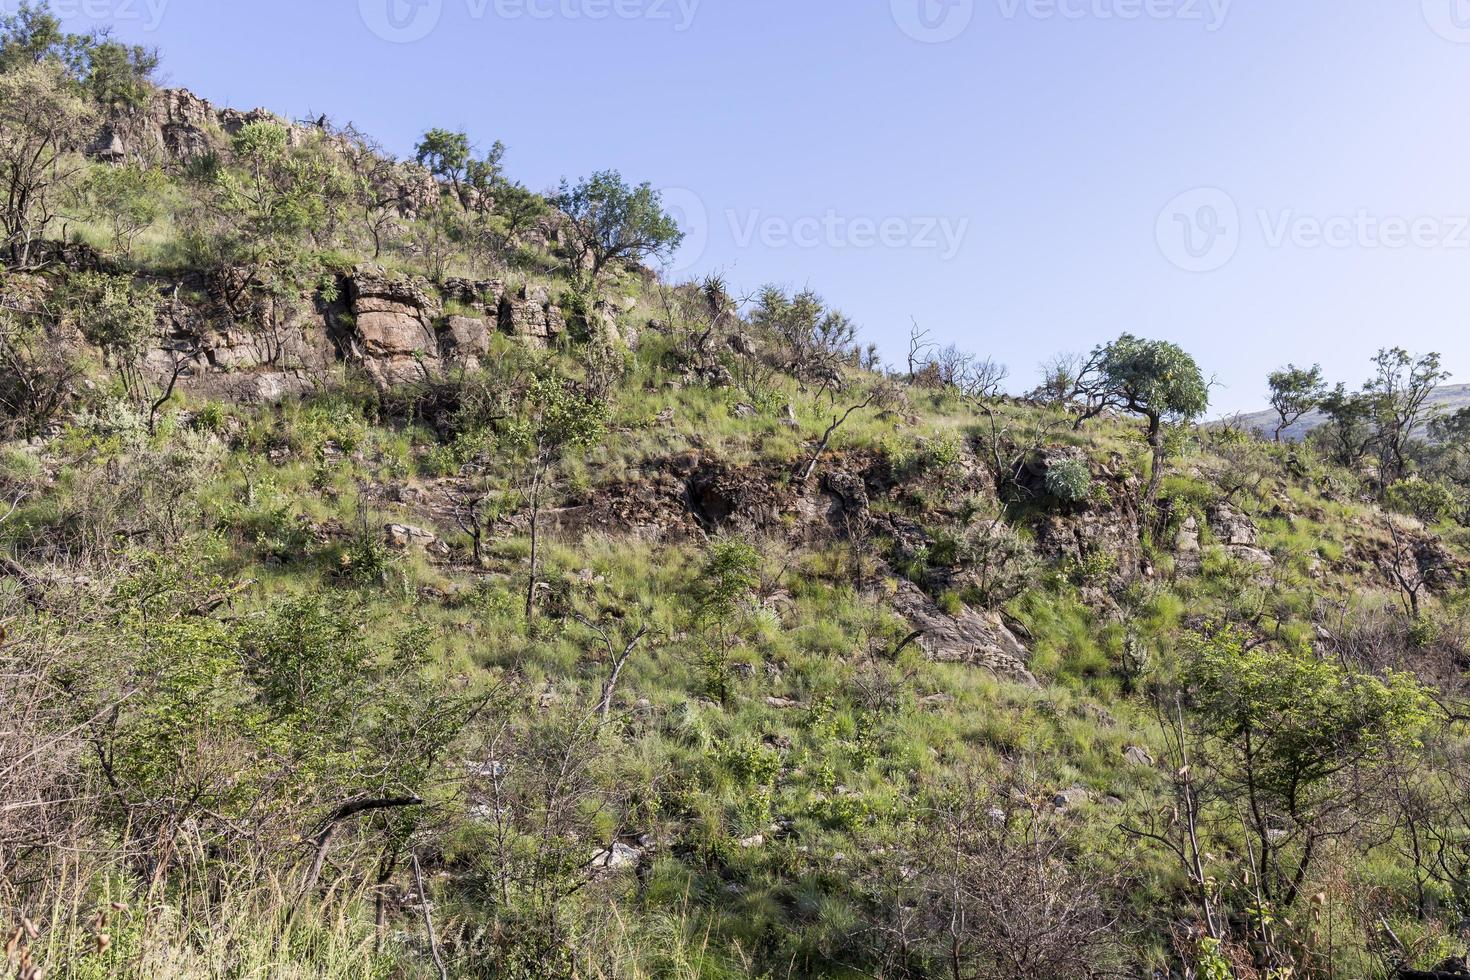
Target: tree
(42, 121)
(272, 201)
(611, 221)
(1400, 391)
(727, 579)
(446, 154)
(1295, 393)
(518, 208)
(559, 421)
(1296, 743)
(127, 199)
(115, 75)
(811, 340)
(1152, 378)
(1349, 431)
(983, 886)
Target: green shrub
(1069, 480)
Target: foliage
(1069, 480)
(1295, 393)
(612, 221)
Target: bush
(1069, 480)
(1431, 501)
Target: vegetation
(687, 641)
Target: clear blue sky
(834, 142)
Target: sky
(1259, 181)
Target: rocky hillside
(400, 578)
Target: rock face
(393, 326)
(531, 316)
(1105, 524)
(976, 638)
(1238, 535)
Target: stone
(620, 855)
(981, 639)
(1138, 756)
(1069, 799)
(466, 337)
(782, 703)
(402, 536)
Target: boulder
(620, 855)
(465, 337)
(978, 638)
(403, 537)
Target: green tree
(1296, 743)
(728, 577)
(42, 121)
(447, 155)
(1400, 390)
(128, 199)
(611, 221)
(1295, 393)
(1158, 381)
(1349, 432)
(274, 201)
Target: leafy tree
(611, 221)
(1295, 393)
(128, 199)
(728, 577)
(1431, 501)
(812, 340)
(518, 208)
(1400, 391)
(38, 372)
(1296, 743)
(272, 200)
(1156, 380)
(447, 155)
(42, 121)
(115, 75)
(1349, 433)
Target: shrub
(1431, 501)
(1069, 480)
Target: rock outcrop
(976, 638)
(530, 315)
(392, 328)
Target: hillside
(402, 578)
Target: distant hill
(1450, 398)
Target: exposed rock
(1069, 799)
(392, 330)
(1137, 755)
(620, 855)
(977, 638)
(531, 316)
(402, 536)
(465, 339)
